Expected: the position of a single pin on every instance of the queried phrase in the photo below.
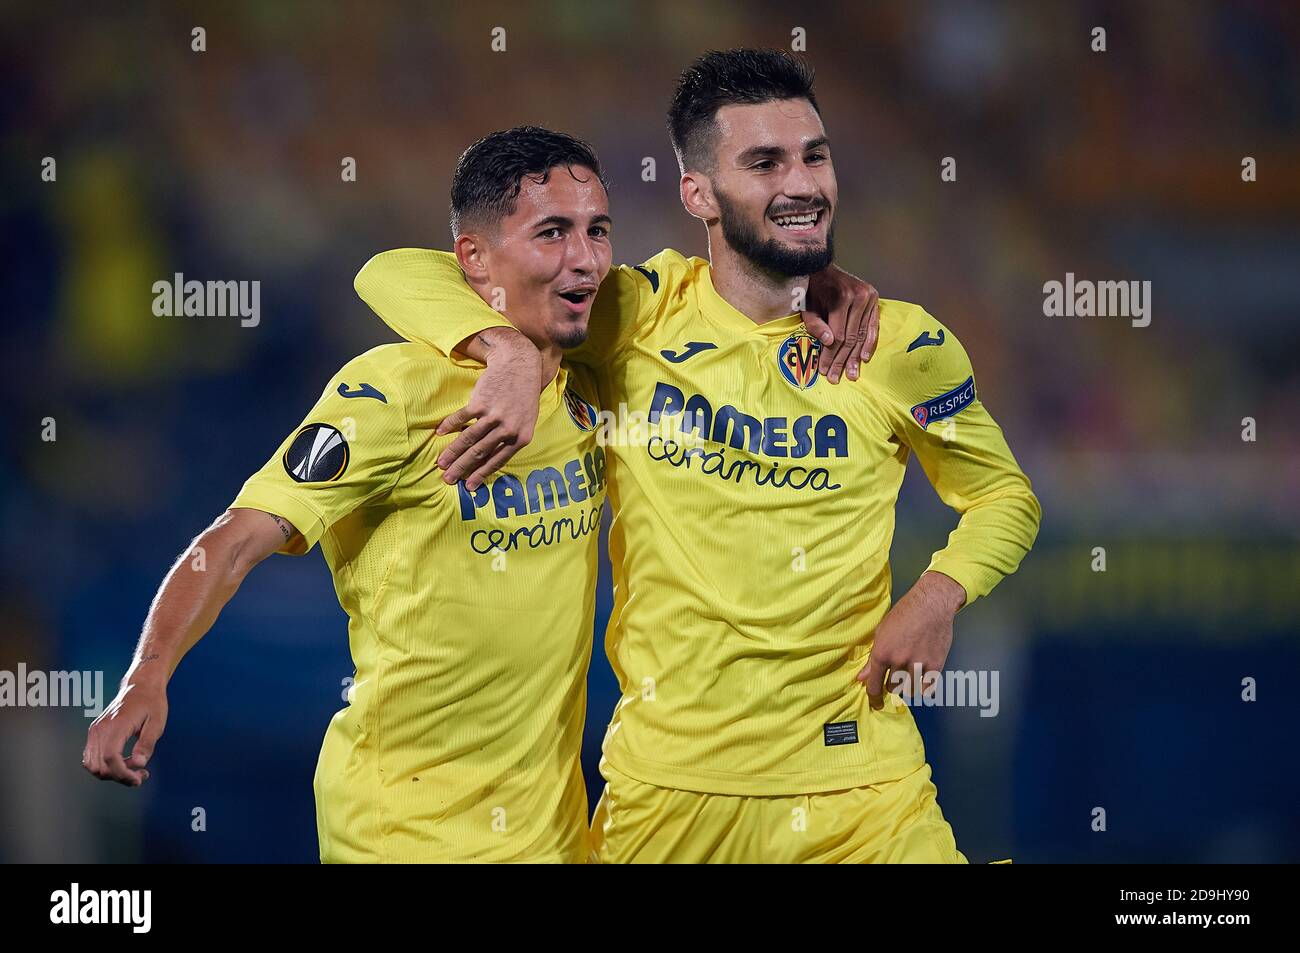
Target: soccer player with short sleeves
(469, 607)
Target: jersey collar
(552, 394)
(720, 310)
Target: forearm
(195, 590)
(497, 346)
(991, 539)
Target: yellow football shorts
(894, 822)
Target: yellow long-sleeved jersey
(753, 513)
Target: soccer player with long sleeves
(469, 611)
(750, 541)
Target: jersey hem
(763, 785)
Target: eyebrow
(775, 152)
(563, 221)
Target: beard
(769, 254)
(570, 336)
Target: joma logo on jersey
(772, 436)
(797, 358)
(580, 411)
(542, 489)
(945, 405)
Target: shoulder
(917, 356)
(632, 295)
(902, 322)
(395, 360)
(405, 373)
(661, 272)
(398, 263)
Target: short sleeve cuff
(275, 500)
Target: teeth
(802, 220)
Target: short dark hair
(489, 173)
(733, 77)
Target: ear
(697, 196)
(471, 253)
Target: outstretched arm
(188, 602)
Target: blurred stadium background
(1119, 689)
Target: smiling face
(543, 263)
(772, 185)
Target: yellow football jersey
(469, 614)
(750, 538)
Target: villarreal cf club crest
(797, 358)
(583, 413)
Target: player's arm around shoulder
(423, 296)
(421, 293)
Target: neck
(551, 356)
(760, 295)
